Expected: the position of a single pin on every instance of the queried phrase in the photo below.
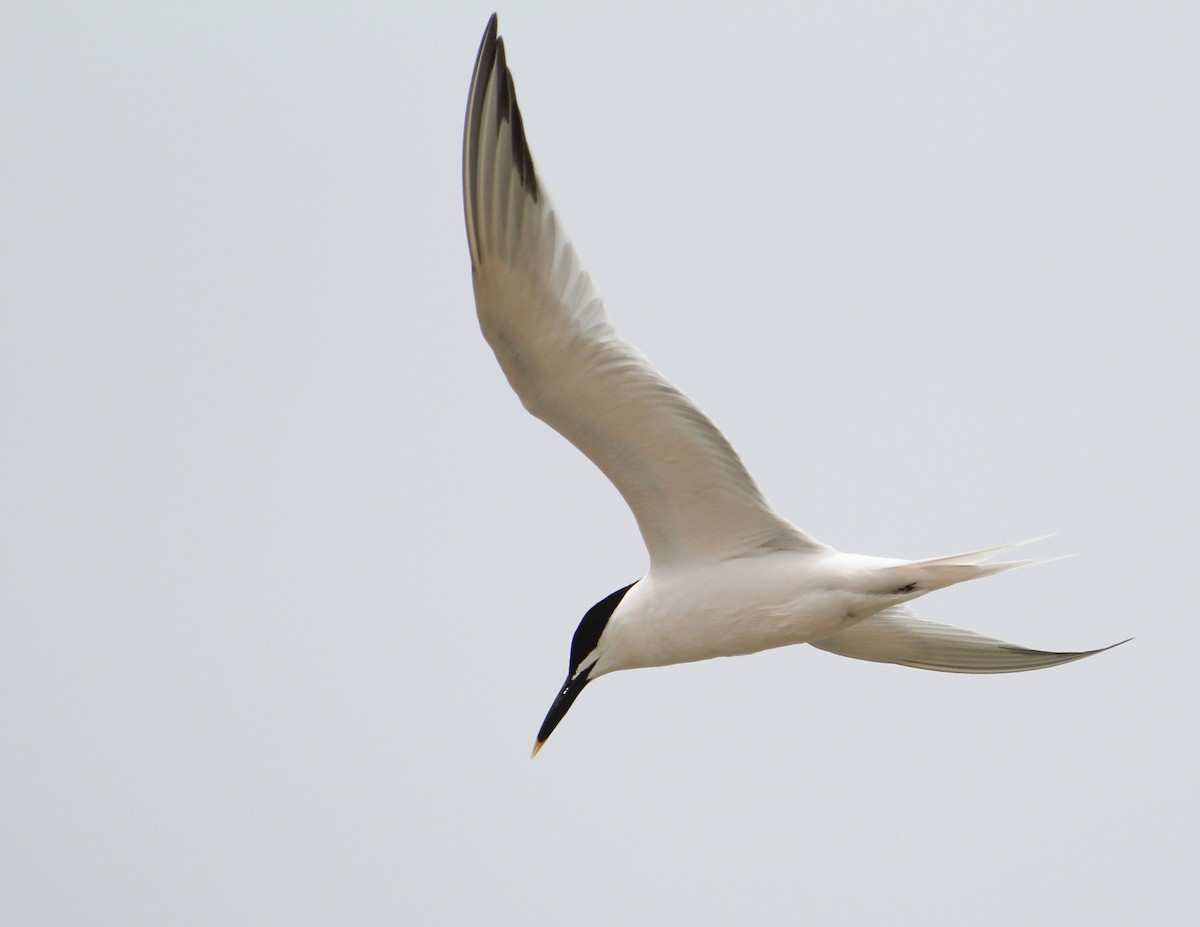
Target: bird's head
(586, 648)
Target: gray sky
(288, 577)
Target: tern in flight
(727, 575)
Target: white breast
(735, 607)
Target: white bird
(727, 575)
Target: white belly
(735, 607)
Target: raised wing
(539, 310)
(897, 635)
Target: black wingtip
(486, 56)
(509, 110)
(490, 65)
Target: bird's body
(739, 606)
(728, 575)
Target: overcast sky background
(288, 576)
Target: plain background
(288, 577)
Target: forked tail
(923, 576)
